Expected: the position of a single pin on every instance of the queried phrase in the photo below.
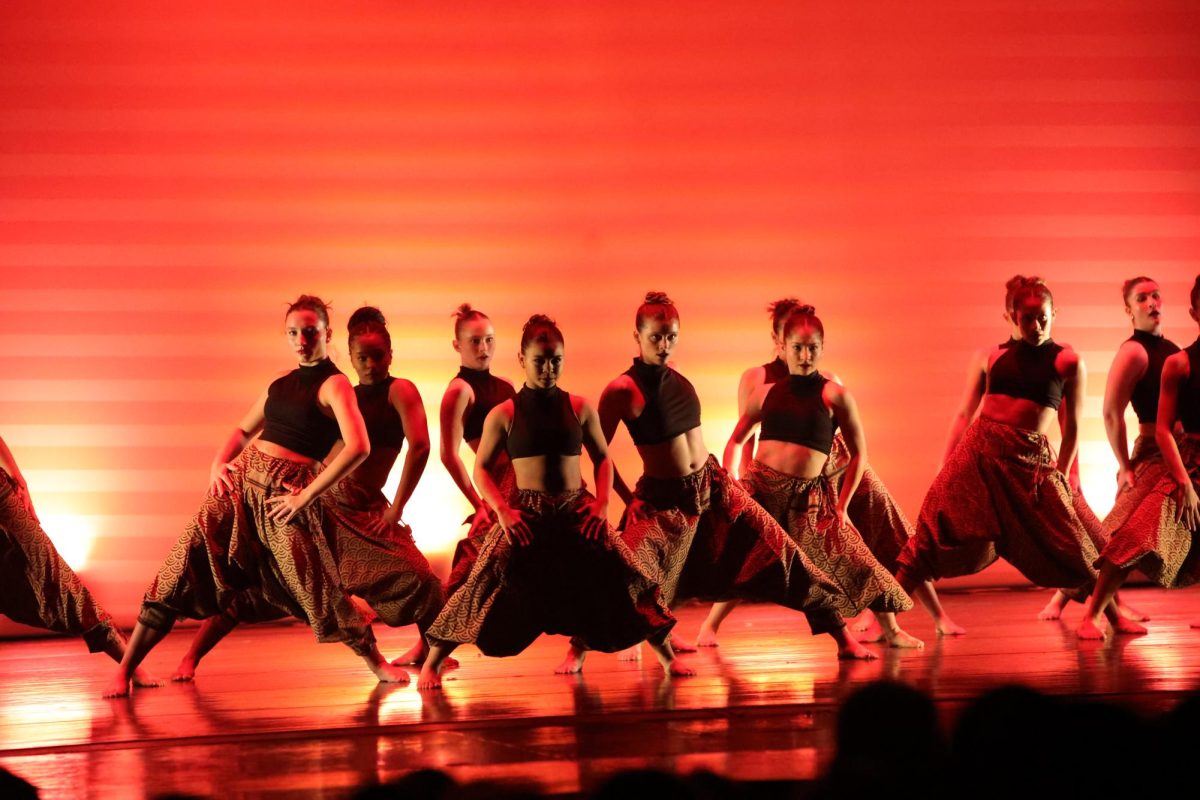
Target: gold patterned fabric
(873, 512)
(37, 587)
(560, 583)
(232, 546)
(1142, 525)
(807, 509)
(999, 495)
(705, 537)
(467, 549)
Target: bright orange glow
(171, 178)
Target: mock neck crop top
(1145, 391)
(775, 371)
(672, 406)
(489, 391)
(794, 411)
(384, 426)
(293, 417)
(544, 423)
(1028, 372)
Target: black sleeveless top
(1028, 372)
(489, 391)
(1145, 391)
(544, 423)
(794, 411)
(384, 426)
(775, 371)
(672, 406)
(294, 418)
(1188, 409)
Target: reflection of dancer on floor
(1157, 515)
(798, 419)
(1001, 492)
(687, 520)
(874, 513)
(259, 528)
(471, 395)
(376, 556)
(39, 588)
(551, 564)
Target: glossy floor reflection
(274, 714)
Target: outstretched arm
(406, 400)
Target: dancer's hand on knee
(635, 511)
(1187, 506)
(220, 480)
(1126, 480)
(594, 526)
(513, 523)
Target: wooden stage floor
(272, 714)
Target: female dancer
(976, 386)
(1000, 491)
(469, 398)
(1157, 515)
(876, 516)
(687, 519)
(255, 532)
(551, 564)
(39, 588)
(799, 417)
(376, 556)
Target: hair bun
(538, 319)
(366, 315)
(658, 299)
(806, 309)
(463, 311)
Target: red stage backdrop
(172, 177)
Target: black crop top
(489, 391)
(384, 426)
(1145, 391)
(293, 417)
(1028, 372)
(775, 371)
(544, 423)
(672, 406)
(1188, 408)
(795, 411)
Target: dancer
(799, 417)
(687, 518)
(376, 556)
(39, 588)
(259, 528)
(550, 564)
(874, 513)
(469, 398)
(1157, 514)
(1001, 492)
(973, 397)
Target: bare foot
(900, 638)
(185, 672)
(851, 649)
(632, 654)
(864, 623)
(390, 674)
(873, 634)
(144, 680)
(413, 656)
(1127, 627)
(1129, 612)
(948, 627)
(1053, 610)
(707, 637)
(573, 663)
(683, 645)
(429, 678)
(678, 668)
(1089, 630)
(119, 686)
